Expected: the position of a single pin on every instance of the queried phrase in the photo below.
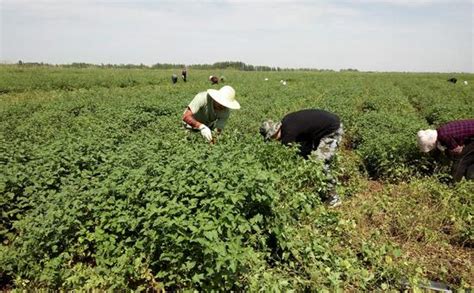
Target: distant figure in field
(184, 74)
(174, 78)
(210, 110)
(213, 79)
(453, 80)
(456, 139)
(318, 134)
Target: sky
(368, 35)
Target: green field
(101, 187)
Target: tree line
(236, 65)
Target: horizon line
(150, 66)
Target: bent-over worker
(318, 134)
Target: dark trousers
(464, 165)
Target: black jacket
(308, 127)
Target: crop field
(102, 188)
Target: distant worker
(213, 79)
(210, 110)
(184, 74)
(456, 139)
(452, 79)
(318, 134)
(174, 78)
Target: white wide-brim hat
(427, 140)
(225, 96)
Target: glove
(205, 132)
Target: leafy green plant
(101, 187)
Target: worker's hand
(205, 132)
(457, 150)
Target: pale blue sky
(379, 35)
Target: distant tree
(349, 70)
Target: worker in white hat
(456, 139)
(210, 110)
